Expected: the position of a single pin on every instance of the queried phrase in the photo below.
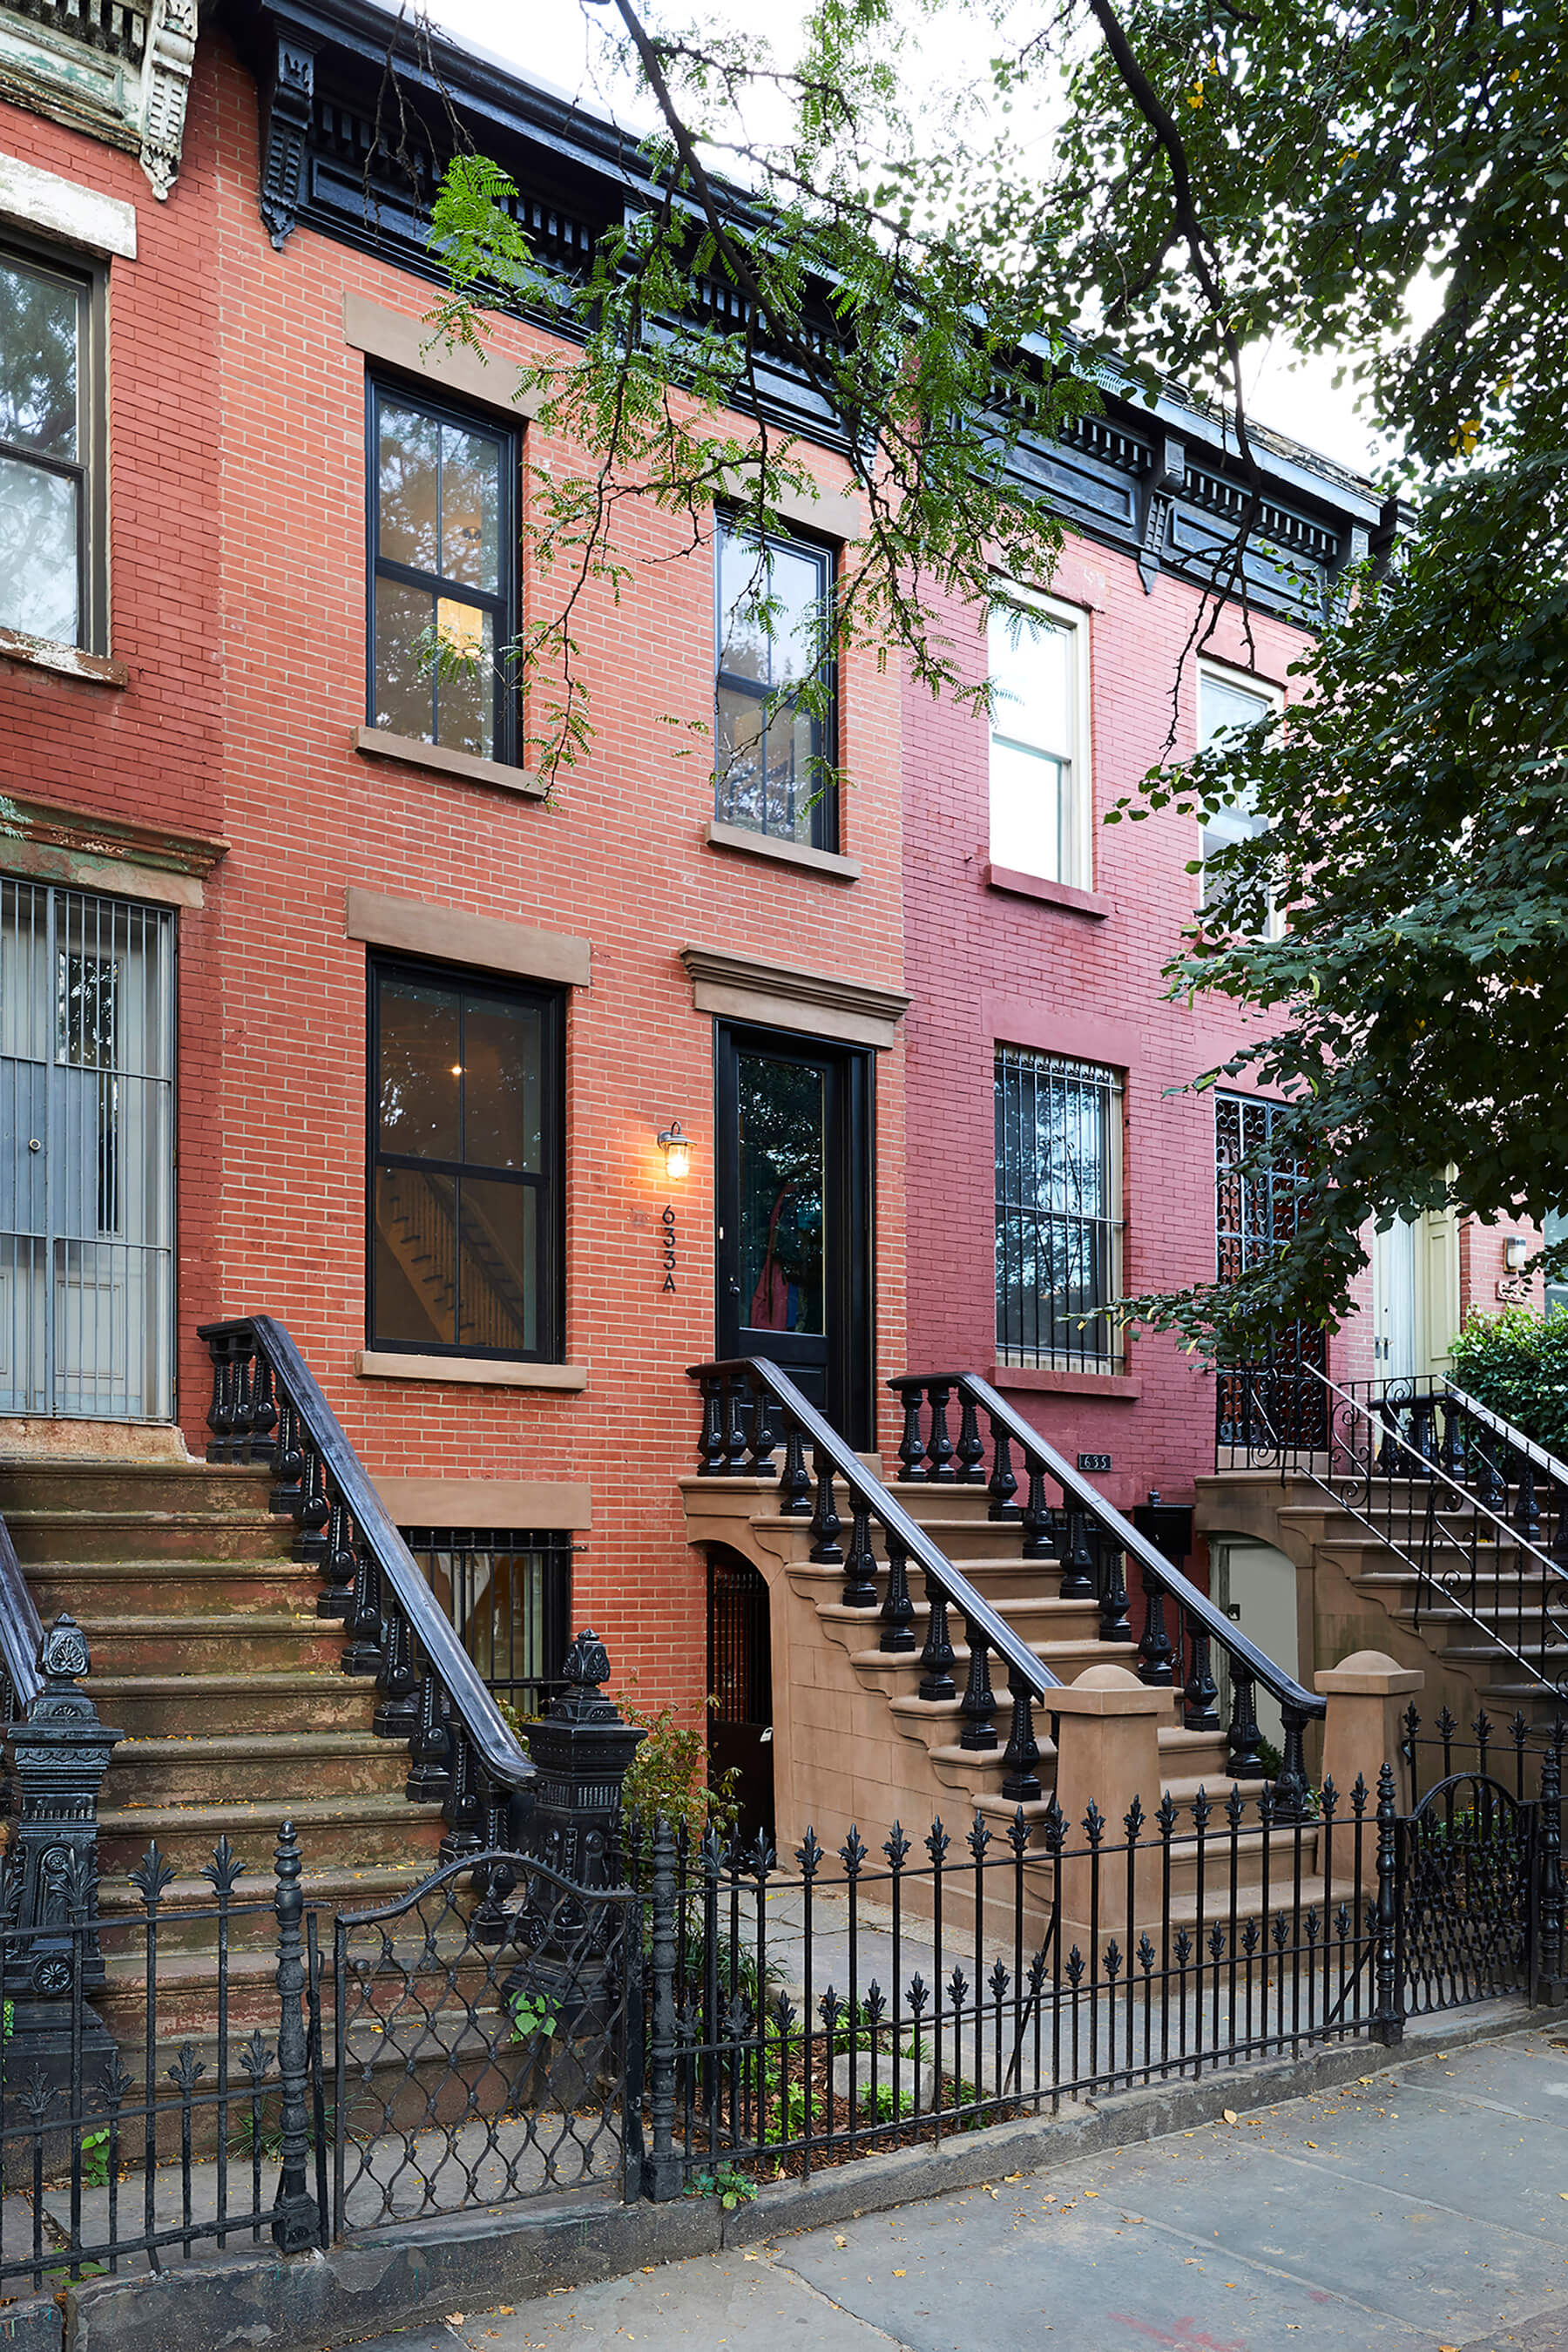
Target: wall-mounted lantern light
(1515, 1250)
(676, 1151)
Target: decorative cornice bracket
(1166, 479)
(285, 125)
(165, 90)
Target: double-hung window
(465, 1179)
(1229, 705)
(1040, 801)
(52, 581)
(773, 755)
(1058, 1211)
(443, 575)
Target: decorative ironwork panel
(1465, 1907)
(481, 2043)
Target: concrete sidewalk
(1425, 2210)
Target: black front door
(794, 1215)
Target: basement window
(465, 1224)
(507, 1592)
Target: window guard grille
(507, 1592)
(1058, 1212)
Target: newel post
(583, 1750)
(1367, 1694)
(1108, 1755)
(296, 2219)
(50, 1900)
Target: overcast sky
(554, 41)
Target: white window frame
(1263, 689)
(1078, 859)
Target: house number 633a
(666, 1247)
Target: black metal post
(1547, 1985)
(297, 2220)
(1388, 2018)
(662, 2167)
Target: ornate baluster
(1115, 1612)
(1487, 1480)
(763, 1438)
(1156, 1653)
(1389, 1458)
(397, 1713)
(795, 1480)
(336, 1597)
(979, 1703)
(259, 1444)
(860, 1567)
(1200, 1693)
(938, 1450)
(1078, 1561)
(971, 1447)
(1291, 1802)
(460, 1809)
(712, 1454)
(1002, 1486)
(1039, 1519)
(312, 1510)
(827, 1527)
(737, 1439)
(1423, 1426)
(430, 1747)
(936, 1658)
(287, 1460)
(1242, 1737)
(898, 1610)
(361, 1653)
(1526, 1512)
(1451, 1451)
(911, 1453)
(1022, 1785)
(1560, 1524)
(220, 1419)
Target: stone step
(49, 1535)
(116, 1587)
(234, 1643)
(77, 1484)
(261, 1767)
(351, 1832)
(174, 1705)
(184, 1908)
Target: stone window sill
(784, 852)
(66, 661)
(377, 743)
(1088, 1384)
(1050, 894)
(471, 1372)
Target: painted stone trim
(84, 833)
(63, 208)
(785, 996)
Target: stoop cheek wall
(986, 966)
(619, 862)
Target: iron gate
(481, 2046)
(87, 1211)
(1469, 1871)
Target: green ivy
(1516, 1364)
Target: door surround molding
(770, 995)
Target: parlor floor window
(773, 756)
(443, 575)
(1058, 1212)
(465, 1212)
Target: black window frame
(549, 1181)
(505, 606)
(1065, 1338)
(554, 1548)
(825, 751)
(89, 471)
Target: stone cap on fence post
(1107, 1753)
(1366, 1692)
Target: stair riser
(242, 1780)
(166, 1589)
(44, 1537)
(204, 1490)
(126, 1651)
(352, 1845)
(342, 1704)
(188, 2012)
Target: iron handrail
(890, 1515)
(1555, 1470)
(443, 1653)
(1200, 1610)
(21, 1629)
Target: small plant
(668, 1776)
(731, 2186)
(95, 2160)
(532, 2014)
(1516, 1364)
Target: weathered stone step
(171, 1705)
(356, 1830)
(40, 1535)
(260, 1768)
(237, 1643)
(117, 1587)
(80, 1484)
(184, 1923)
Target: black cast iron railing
(1093, 1541)
(749, 1408)
(1453, 1491)
(21, 1635)
(267, 1407)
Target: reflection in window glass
(441, 610)
(1036, 826)
(770, 755)
(1225, 707)
(465, 1199)
(42, 477)
(782, 1180)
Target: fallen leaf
(454, 2319)
(1091, 2192)
(841, 2242)
(1311, 2143)
(900, 2274)
(1011, 2176)
(1230, 2115)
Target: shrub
(1516, 1364)
(669, 1775)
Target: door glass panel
(421, 1070)
(782, 1180)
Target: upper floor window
(443, 603)
(51, 468)
(1040, 805)
(1058, 1211)
(773, 756)
(1226, 704)
(466, 1212)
